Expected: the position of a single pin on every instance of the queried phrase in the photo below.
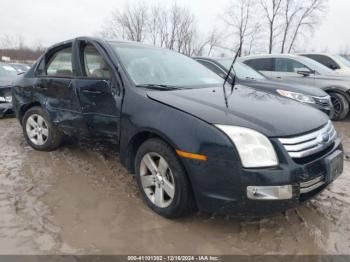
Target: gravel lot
(80, 200)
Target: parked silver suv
(306, 71)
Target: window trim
(48, 55)
(82, 46)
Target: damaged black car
(192, 142)
(8, 75)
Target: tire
(181, 203)
(341, 106)
(51, 138)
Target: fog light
(270, 192)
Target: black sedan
(191, 142)
(8, 75)
(245, 75)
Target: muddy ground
(80, 200)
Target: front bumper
(6, 110)
(328, 109)
(224, 187)
(5, 105)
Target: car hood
(269, 114)
(269, 85)
(7, 81)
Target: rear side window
(324, 60)
(261, 64)
(289, 65)
(60, 63)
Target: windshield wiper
(233, 82)
(159, 87)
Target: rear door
(54, 86)
(99, 91)
(263, 65)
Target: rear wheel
(162, 180)
(39, 131)
(341, 106)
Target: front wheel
(162, 180)
(39, 131)
(341, 106)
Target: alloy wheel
(157, 180)
(37, 129)
(338, 107)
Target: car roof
(270, 56)
(102, 40)
(325, 54)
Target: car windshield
(242, 71)
(343, 60)
(316, 66)
(7, 70)
(162, 67)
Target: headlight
(8, 99)
(296, 96)
(255, 149)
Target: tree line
(254, 25)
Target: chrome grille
(309, 144)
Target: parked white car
(335, 62)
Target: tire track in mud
(23, 225)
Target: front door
(99, 93)
(287, 69)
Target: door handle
(39, 86)
(93, 92)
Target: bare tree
(239, 18)
(272, 10)
(254, 36)
(213, 40)
(308, 19)
(129, 24)
(291, 9)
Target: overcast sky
(49, 21)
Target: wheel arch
(340, 90)
(24, 108)
(136, 141)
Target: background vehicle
(8, 75)
(189, 143)
(306, 71)
(335, 62)
(21, 68)
(245, 75)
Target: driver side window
(94, 64)
(289, 66)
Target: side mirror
(333, 67)
(305, 73)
